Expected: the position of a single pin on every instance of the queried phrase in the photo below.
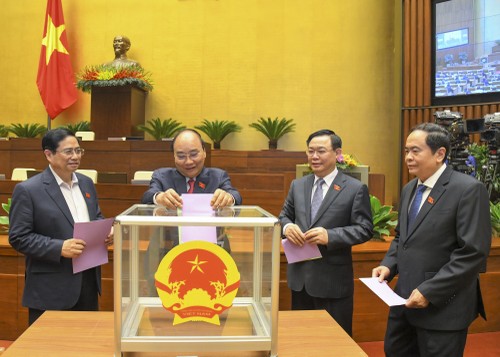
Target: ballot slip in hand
(295, 253)
(383, 291)
(94, 234)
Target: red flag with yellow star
(55, 79)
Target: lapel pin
(87, 194)
(430, 200)
(336, 187)
(201, 185)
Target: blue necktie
(317, 198)
(415, 205)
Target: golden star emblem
(196, 264)
(52, 39)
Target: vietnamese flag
(55, 79)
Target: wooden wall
(417, 75)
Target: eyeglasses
(320, 152)
(181, 156)
(69, 151)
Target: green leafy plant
(160, 129)
(482, 167)
(4, 131)
(80, 126)
(30, 130)
(4, 220)
(495, 218)
(384, 218)
(218, 130)
(274, 129)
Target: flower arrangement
(111, 76)
(345, 161)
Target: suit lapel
(180, 184)
(54, 191)
(403, 216)
(433, 198)
(308, 185)
(88, 198)
(201, 181)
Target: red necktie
(191, 186)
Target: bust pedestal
(115, 111)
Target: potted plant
(384, 219)
(4, 131)
(274, 129)
(160, 129)
(80, 126)
(218, 130)
(4, 220)
(495, 218)
(30, 130)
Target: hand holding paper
(383, 291)
(94, 233)
(295, 253)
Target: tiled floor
(478, 345)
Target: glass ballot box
(196, 285)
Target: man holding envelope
(332, 211)
(190, 176)
(42, 218)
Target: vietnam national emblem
(197, 281)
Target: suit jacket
(346, 215)
(209, 180)
(444, 251)
(40, 221)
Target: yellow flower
(105, 75)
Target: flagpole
(48, 122)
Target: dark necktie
(415, 205)
(191, 186)
(317, 198)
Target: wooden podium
(115, 111)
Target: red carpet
(478, 345)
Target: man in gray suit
(441, 245)
(343, 219)
(44, 210)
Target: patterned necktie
(415, 205)
(191, 186)
(317, 198)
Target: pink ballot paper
(383, 291)
(95, 253)
(196, 205)
(295, 254)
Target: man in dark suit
(44, 209)
(343, 219)
(441, 245)
(190, 175)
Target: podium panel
(144, 322)
(115, 111)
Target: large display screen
(466, 51)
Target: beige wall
(325, 63)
